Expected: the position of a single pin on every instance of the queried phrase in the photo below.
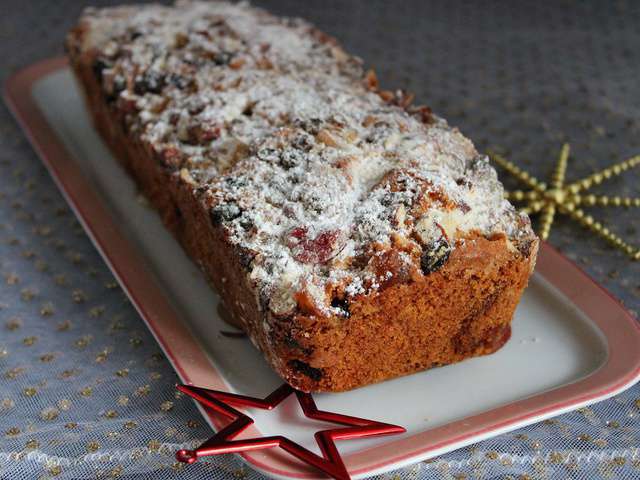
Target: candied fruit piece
(319, 249)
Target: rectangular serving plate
(572, 345)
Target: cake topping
(335, 188)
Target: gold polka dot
(123, 400)
(29, 341)
(29, 392)
(192, 424)
(55, 470)
(63, 326)
(13, 324)
(130, 425)
(137, 454)
(49, 413)
(110, 414)
(44, 230)
(166, 406)
(93, 446)
(491, 455)
(117, 325)
(154, 445)
(70, 425)
(584, 437)
(556, 457)
(75, 257)
(67, 374)
(96, 312)
(64, 404)
(136, 342)
(78, 296)
(61, 280)
(12, 432)
(83, 341)
(12, 279)
(123, 372)
(155, 375)
(27, 294)
(13, 373)
(86, 391)
(102, 356)
(47, 309)
(3, 352)
(116, 472)
(143, 391)
(47, 357)
(6, 404)
(32, 444)
(242, 473)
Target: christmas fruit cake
(353, 236)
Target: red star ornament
(222, 442)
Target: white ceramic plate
(572, 343)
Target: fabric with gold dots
(85, 392)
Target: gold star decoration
(567, 199)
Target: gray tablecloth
(84, 389)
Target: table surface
(85, 391)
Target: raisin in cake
(353, 236)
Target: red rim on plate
(620, 371)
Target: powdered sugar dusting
(330, 187)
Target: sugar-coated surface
(315, 173)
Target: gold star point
(559, 197)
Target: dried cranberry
(200, 134)
(313, 250)
(171, 158)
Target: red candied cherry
(315, 250)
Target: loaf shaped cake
(353, 236)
